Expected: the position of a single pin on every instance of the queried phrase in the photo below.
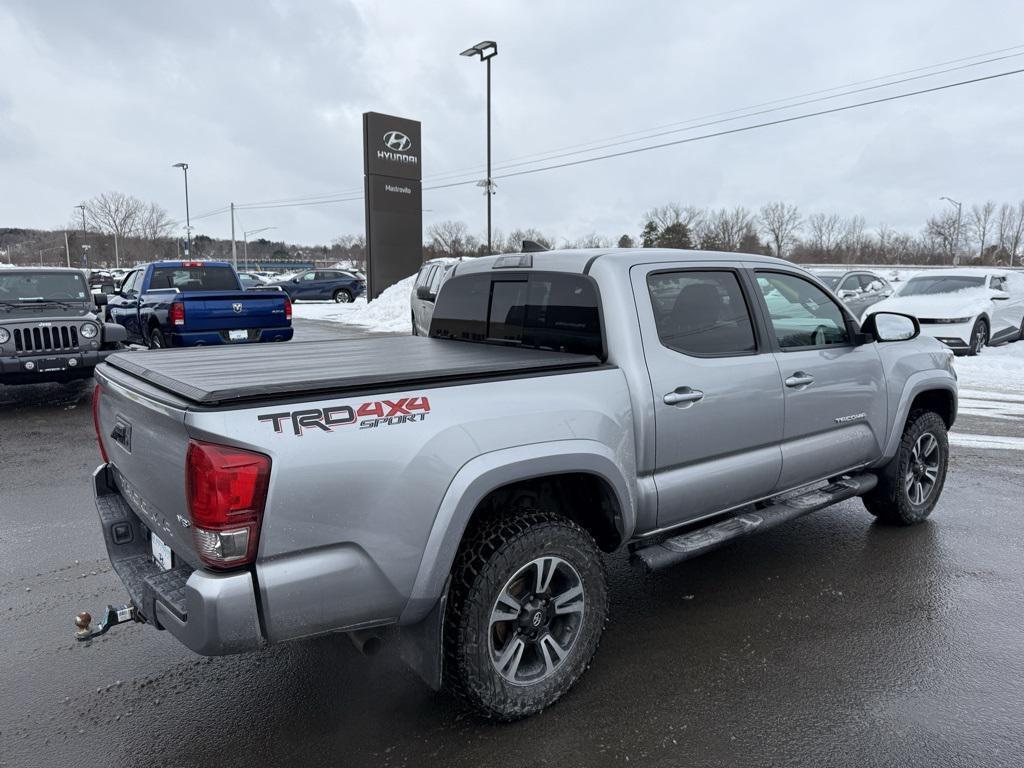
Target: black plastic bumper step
(654, 557)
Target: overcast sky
(264, 101)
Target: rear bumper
(213, 338)
(52, 367)
(211, 613)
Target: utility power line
(744, 128)
(597, 144)
(351, 197)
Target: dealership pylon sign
(392, 162)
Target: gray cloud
(265, 101)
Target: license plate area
(162, 554)
(238, 335)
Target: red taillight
(287, 308)
(177, 313)
(226, 489)
(96, 422)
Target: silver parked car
(858, 289)
(428, 283)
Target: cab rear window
(542, 310)
(194, 279)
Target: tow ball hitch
(112, 615)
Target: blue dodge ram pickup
(195, 303)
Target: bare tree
(449, 237)
(726, 230)
(113, 213)
(980, 224)
(780, 223)
(591, 240)
(943, 233)
(153, 223)
(854, 240)
(1009, 228)
(826, 231)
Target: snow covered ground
(998, 369)
(388, 313)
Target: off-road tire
(157, 340)
(974, 347)
(341, 296)
(493, 553)
(890, 501)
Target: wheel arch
(581, 471)
(924, 390)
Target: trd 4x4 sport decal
(380, 413)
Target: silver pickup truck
(461, 489)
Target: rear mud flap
(421, 645)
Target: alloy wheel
(536, 620)
(922, 469)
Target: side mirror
(423, 292)
(891, 326)
(295, 279)
(113, 332)
(100, 299)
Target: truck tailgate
(260, 371)
(146, 443)
(206, 311)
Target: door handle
(799, 380)
(683, 396)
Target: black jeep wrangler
(51, 326)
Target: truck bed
(234, 374)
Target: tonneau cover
(224, 374)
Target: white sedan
(965, 309)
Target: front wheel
(527, 608)
(341, 296)
(979, 337)
(910, 485)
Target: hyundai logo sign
(397, 141)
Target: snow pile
(996, 368)
(388, 313)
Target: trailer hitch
(112, 616)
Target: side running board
(676, 549)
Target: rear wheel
(341, 296)
(527, 608)
(979, 336)
(910, 485)
(157, 339)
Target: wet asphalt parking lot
(831, 642)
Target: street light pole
(956, 244)
(188, 223)
(486, 50)
(245, 241)
(85, 234)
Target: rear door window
(701, 313)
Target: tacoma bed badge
(237, 306)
